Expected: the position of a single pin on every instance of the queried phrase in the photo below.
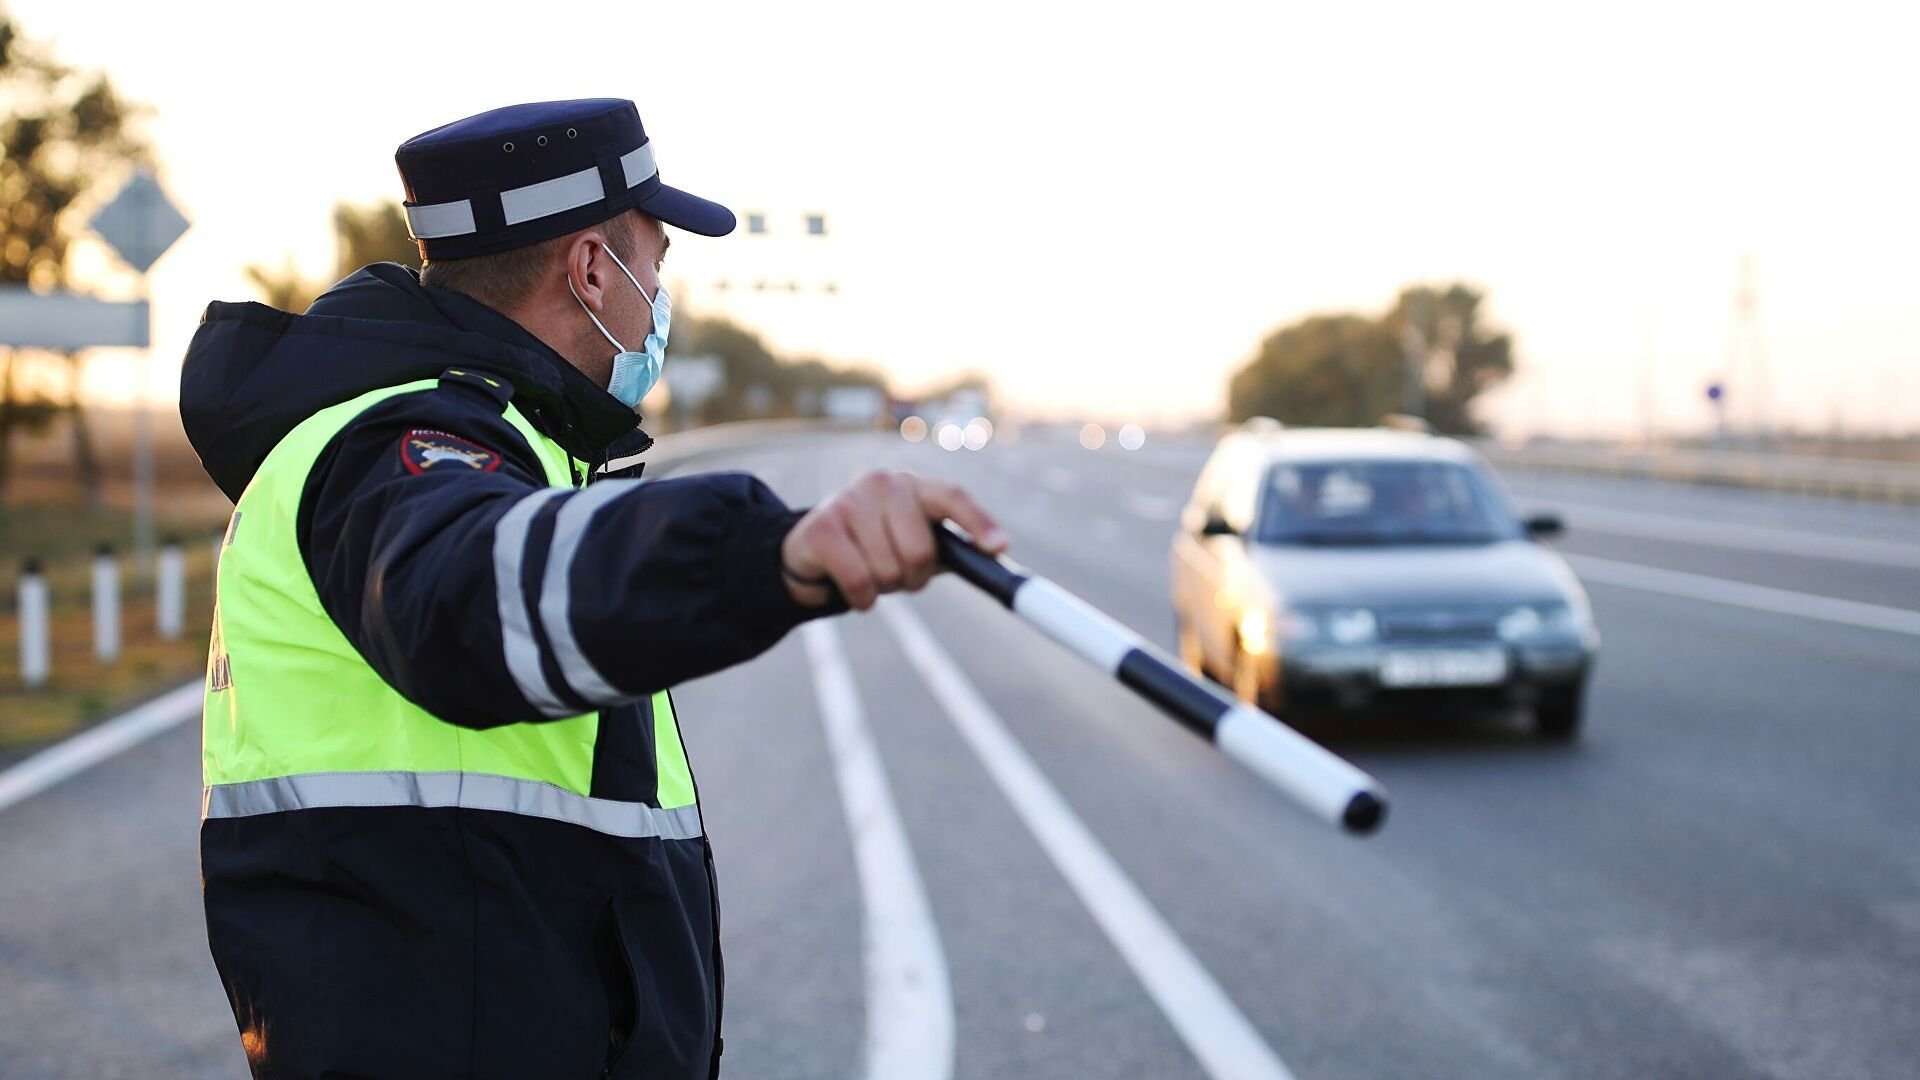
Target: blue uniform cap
(526, 173)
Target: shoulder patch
(495, 387)
(423, 449)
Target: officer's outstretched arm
(488, 597)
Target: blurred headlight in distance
(950, 437)
(1351, 626)
(978, 433)
(1253, 632)
(913, 429)
(1132, 437)
(1093, 436)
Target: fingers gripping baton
(1320, 781)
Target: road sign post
(141, 223)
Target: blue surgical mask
(635, 373)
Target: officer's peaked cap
(526, 173)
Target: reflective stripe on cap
(544, 199)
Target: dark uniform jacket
(425, 942)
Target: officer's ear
(587, 267)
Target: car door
(1234, 587)
(1193, 574)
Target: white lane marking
(98, 743)
(1728, 534)
(909, 999)
(1059, 479)
(1151, 507)
(1207, 1020)
(1741, 594)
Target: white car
(1342, 569)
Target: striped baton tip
(1364, 813)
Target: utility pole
(1746, 359)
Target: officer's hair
(503, 279)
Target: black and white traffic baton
(1320, 781)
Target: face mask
(635, 373)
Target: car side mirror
(1217, 526)
(1543, 525)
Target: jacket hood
(252, 373)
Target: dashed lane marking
(1226, 1043)
(1151, 507)
(909, 995)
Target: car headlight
(1537, 620)
(1253, 632)
(1519, 624)
(1351, 626)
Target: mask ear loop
(629, 273)
(596, 318)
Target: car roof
(1352, 444)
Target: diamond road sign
(141, 223)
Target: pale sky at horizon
(1106, 207)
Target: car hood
(1506, 572)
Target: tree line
(1430, 355)
(66, 136)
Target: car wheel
(1558, 715)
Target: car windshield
(1381, 502)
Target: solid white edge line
(1735, 535)
(100, 742)
(1741, 594)
(910, 1024)
(1206, 1019)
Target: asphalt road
(1721, 879)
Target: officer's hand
(875, 536)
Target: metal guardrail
(1879, 481)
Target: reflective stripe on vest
(296, 718)
(470, 791)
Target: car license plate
(1443, 667)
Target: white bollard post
(106, 605)
(170, 591)
(36, 653)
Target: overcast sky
(1107, 206)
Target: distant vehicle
(853, 404)
(1334, 570)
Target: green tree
(1463, 358)
(361, 235)
(1350, 370)
(1325, 370)
(65, 135)
(788, 387)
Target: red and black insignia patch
(424, 449)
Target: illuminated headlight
(1351, 626)
(1253, 632)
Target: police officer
(449, 825)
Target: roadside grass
(82, 689)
